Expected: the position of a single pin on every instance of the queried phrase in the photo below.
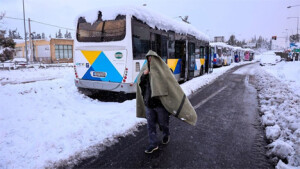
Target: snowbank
(32, 74)
(288, 73)
(280, 110)
(49, 122)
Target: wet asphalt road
(227, 134)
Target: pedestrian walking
(159, 95)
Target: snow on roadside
(46, 123)
(288, 73)
(33, 74)
(280, 108)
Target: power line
(40, 23)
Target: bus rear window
(101, 31)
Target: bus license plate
(99, 74)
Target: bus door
(211, 64)
(180, 51)
(191, 60)
(207, 59)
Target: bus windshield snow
(101, 31)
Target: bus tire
(84, 91)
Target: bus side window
(202, 52)
(140, 40)
(156, 43)
(219, 51)
(171, 46)
(164, 48)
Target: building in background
(250, 45)
(45, 51)
(219, 39)
(279, 44)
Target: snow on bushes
(280, 110)
(273, 132)
(281, 149)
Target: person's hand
(146, 72)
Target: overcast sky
(244, 18)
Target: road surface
(227, 134)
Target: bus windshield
(101, 31)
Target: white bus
(110, 49)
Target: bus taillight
(76, 75)
(215, 59)
(125, 75)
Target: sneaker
(166, 140)
(151, 149)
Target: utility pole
(30, 41)
(27, 59)
(297, 28)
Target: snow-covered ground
(33, 74)
(288, 73)
(279, 97)
(47, 122)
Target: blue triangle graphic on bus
(141, 67)
(102, 64)
(178, 67)
(88, 75)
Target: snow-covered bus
(111, 45)
(237, 53)
(223, 54)
(249, 54)
(217, 54)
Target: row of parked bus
(224, 54)
(110, 49)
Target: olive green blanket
(166, 88)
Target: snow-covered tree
(7, 44)
(232, 41)
(38, 36)
(68, 35)
(59, 34)
(14, 34)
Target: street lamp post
(25, 33)
(297, 20)
(287, 36)
(297, 26)
(292, 6)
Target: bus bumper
(107, 86)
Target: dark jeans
(157, 115)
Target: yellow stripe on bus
(202, 61)
(172, 63)
(91, 56)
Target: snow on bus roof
(150, 17)
(237, 48)
(222, 44)
(248, 49)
